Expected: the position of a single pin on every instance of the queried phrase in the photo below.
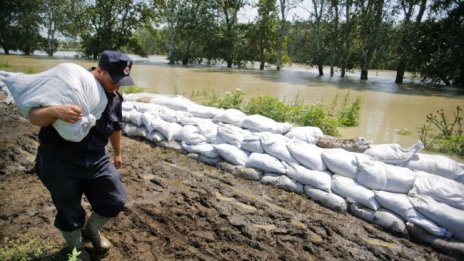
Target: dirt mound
(180, 208)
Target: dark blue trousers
(68, 177)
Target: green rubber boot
(92, 232)
(73, 240)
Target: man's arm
(115, 140)
(44, 116)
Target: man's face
(107, 82)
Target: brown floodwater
(388, 110)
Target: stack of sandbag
(66, 83)
(379, 185)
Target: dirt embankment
(180, 208)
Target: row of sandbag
(395, 193)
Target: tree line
(418, 36)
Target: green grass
(29, 247)
(5, 64)
(132, 89)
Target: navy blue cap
(118, 65)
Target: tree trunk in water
(364, 74)
(343, 72)
(331, 70)
(229, 63)
(400, 71)
(261, 65)
(321, 69)
(171, 46)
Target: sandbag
(283, 182)
(190, 135)
(132, 130)
(66, 83)
(276, 145)
(436, 164)
(400, 204)
(317, 179)
(168, 129)
(204, 149)
(390, 222)
(353, 192)
(201, 111)
(308, 155)
(252, 143)
(231, 154)
(265, 162)
(444, 215)
(441, 189)
(306, 134)
(231, 134)
(329, 200)
(261, 123)
(230, 116)
(362, 212)
(380, 176)
(247, 173)
(342, 162)
(393, 153)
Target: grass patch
(132, 89)
(404, 132)
(5, 64)
(30, 247)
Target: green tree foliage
(110, 24)
(19, 25)
(266, 30)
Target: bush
(132, 89)
(268, 106)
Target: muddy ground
(182, 209)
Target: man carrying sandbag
(71, 169)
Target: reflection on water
(386, 108)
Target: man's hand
(117, 161)
(44, 116)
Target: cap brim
(124, 81)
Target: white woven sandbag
(354, 192)
(204, 149)
(181, 117)
(231, 134)
(282, 181)
(190, 135)
(308, 155)
(390, 221)
(436, 164)
(362, 212)
(261, 123)
(276, 145)
(147, 118)
(380, 176)
(132, 130)
(65, 83)
(393, 153)
(147, 107)
(168, 129)
(306, 134)
(317, 179)
(175, 102)
(202, 111)
(440, 189)
(128, 106)
(342, 162)
(252, 143)
(400, 204)
(231, 154)
(155, 137)
(126, 115)
(442, 214)
(210, 131)
(265, 163)
(138, 96)
(230, 116)
(136, 118)
(329, 200)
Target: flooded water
(386, 108)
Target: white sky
(249, 14)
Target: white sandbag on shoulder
(231, 134)
(317, 179)
(252, 143)
(444, 215)
(230, 116)
(390, 222)
(308, 155)
(283, 182)
(380, 176)
(400, 204)
(204, 149)
(276, 145)
(261, 123)
(265, 162)
(133, 130)
(66, 83)
(329, 200)
(393, 153)
(190, 135)
(342, 162)
(202, 111)
(306, 134)
(231, 154)
(168, 129)
(441, 189)
(436, 164)
(354, 192)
